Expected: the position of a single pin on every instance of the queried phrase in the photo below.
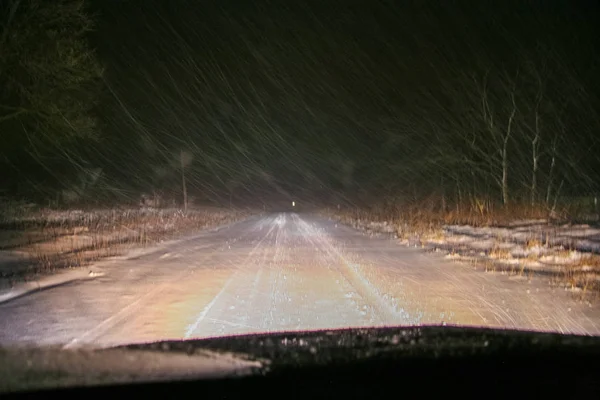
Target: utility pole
(185, 202)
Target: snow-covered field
(568, 253)
(44, 240)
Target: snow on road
(283, 272)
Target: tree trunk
(443, 195)
(551, 173)
(549, 188)
(504, 177)
(507, 136)
(183, 184)
(534, 178)
(458, 197)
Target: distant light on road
(293, 204)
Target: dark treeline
(336, 101)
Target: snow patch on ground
(522, 247)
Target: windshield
(181, 169)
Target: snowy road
(283, 272)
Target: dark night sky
(286, 96)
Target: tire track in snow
(384, 311)
(107, 324)
(226, 287)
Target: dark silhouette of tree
(49, 80)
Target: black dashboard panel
(387, 362)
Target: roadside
(45, 247)
(566, 253)
(283, 272)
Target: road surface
(283, 272)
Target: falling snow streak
(345, 98)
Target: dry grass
(562, 253)
(51, 239)
(533, 243)
(500, 253)
(494, 215)
(424, 220)
(426, 215)
(585, 276)
(592, 261)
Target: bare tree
(535, 141)
(500, 135)
(553, 155)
